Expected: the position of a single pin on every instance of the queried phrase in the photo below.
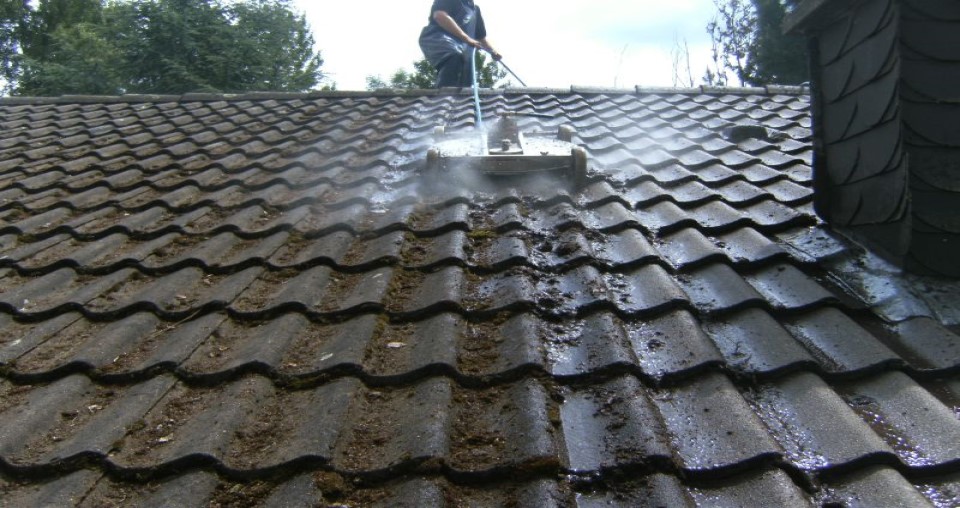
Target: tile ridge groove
(431, 310)
(699, 202)
(189, 181)
(394, 262)
(261, 201)
(29, 237)
(809, 267)
(761, 184)
(531, 468)
(771, 229)
(738, 265)
(471, 381)
(166, 230)
(159, 202)
(362, 200)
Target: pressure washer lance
(476, 86)
(512, 73)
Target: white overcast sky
(547, 43)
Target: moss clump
(482, 234)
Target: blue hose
(476, 88)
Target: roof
(259, 300)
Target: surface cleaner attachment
(505, 151)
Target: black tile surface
(260, 300)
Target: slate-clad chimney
(886, 98)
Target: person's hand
(496, 56)
(473, 42)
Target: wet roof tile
(183, 278)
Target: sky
(608, 43)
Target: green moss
(482, 234)
(383, 321)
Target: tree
(190, 45)
(777, 58)
(489, 75)
(52, 15)
(13, 20)
(79, 60)
(161, 46)
(730, 32)
(680, 56)
(275, 59)
(748, 41)
(27, 32)
(423, 76)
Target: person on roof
(455, 27)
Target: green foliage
(31, 36)
(777, 58)
(13, 20)
(275, 59)
(161, 46)
(730, 32)
(78, 60)
(376, 83)
(748, 41)
(489, 74)
(423, 76)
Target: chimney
(885, 80)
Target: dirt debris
(476, 443)
(240, 495)
(479, 347)
(160, 427)
(69, 420)
(387, 351)
(257, 440)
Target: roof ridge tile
(397, 92)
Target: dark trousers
(455, 71)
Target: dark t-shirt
(456, 11)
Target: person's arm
(447, 23)
(485, 44)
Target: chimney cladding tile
(885, 76)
